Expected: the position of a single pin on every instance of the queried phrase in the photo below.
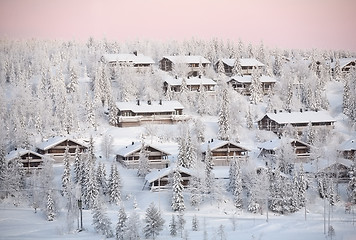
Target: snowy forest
(63, 88)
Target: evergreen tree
(3, 168)
(195, 185)
(177, 197)
(114, 185)
(173, 227)
(154, 222)
(143, 163)
(256, 88)
(101, 179)
(221, 69)
(351, 187)
(224, 117)
(300, 186)
(209, 175)
(195, 223)
(106, 146)
(113, 114)
(78, 166)
(133, 227)
(66, 178)
(50, 207)
(91, 189)
(181, 223)
(237, 69)
(121, 226)
(237, 185)
(337, 70)
(101, 222)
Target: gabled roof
(275, 144)
(214, 144)
(247, 79)
(190, 81)
(187, 59)
(343, 62)
(160, 173)
(128, 58)
(54, 141)
(144, 107)
(300, 117)
(348, 145)
(19, 153)
(244, 62)
(134, 147)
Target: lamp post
(80, 206)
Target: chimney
(275, 111)
(135, 53)
(301, 110)
(138, 102)
(212, 140)
(160, 102)
(289, 110)
(199, 76)
(176, 77)
(132, 143)
(149, 102)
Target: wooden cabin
(223, 152)
(55, 148)
(347, 150)
(134, 60)
(192, 63)
(346, 65)
(157, 112)
(129, 156)
(30, 160)
(301, 149)
(242, 84)
(277, 121)
(174, 84)
(160, 179)
(248, 65)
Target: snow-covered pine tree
(182, 154)
(173, 227)
(106, 145)
(133, 227)
(3, 169)
(270, 107)
(351, 186)
(90, 113)
(237, 69)
(221, 69)
(177, 192)
(249, 120)
(301, 184)
(50, 207)
(201, 100)
(191, 155)
(66, 178)
(237, 184)
(91, 189)
(277, 65)
(78, 166)
(195, 187)
(224, 117)
(154, 222)
(114, 185)
(113, 114)
(121, 225)
(256, 90)
(181, 223)
(143, 163)
(279, 201)
(101, 222)
(337, 70)
(101, 178)
(195, 223)
(209, 175)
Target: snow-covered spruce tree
(114, 185)
(279, 200)
(337, 70)
(249, 120)
(195, 187)
(349, 96)
(202, 101)
(209, 175)
(300, 185)
(91, 189)
(113, 114)
(351, 187)
(154, 222)
(285, 156)
(221, 69)
(78, 165)
(191, 155)
(50, 206)
(256, 90)
(133, 227)
(182, 152)
(277, 65)
(3, 167)
(14, 180)
(270, 107)
(199, 129)
(195, 223)
(173, 227)
(66, 178)
(106, 146)
(181, 223)
(237, 185)
(221, 232)
(177, 194)
(224, 117)
(237, 69)
(121, 225)
(101, 222)
(101, 178)
(143, 163)
(90, 113)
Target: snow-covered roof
(216, 143)
(144, 107)
(187, 59)
(348, 145)
(275, 143)
(129, 58)
(244, 62)
(160, 173)
(19, 153)
(323, 164)
(134, 147)
(301, 117)
(54, 141)
(172, 81)
(247, 79)
(343, 62)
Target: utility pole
(324, 217)
(80, 206)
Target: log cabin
(346, 65)
(242, 84)
(301, 149)
(223, 152)
(347, 150)
(277, 121)
(174, 84)
(129, 156)
(160, 179)
(190, 62)
(248, 65)
(131, 114)
(55, 148)
(137, 61)
(30, 160)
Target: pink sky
(324, 24)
